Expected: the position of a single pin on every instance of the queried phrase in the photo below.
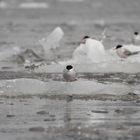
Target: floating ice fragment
(90, 52)
(7, 53)
(52, 42)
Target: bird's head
(118, 46)
(69, 67)
(84, 39)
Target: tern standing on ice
(124, 51)
(69, 73)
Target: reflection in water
(60, 109)
(98, 119)
(68, 113)
(75, 118)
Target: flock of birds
(123, 51)
(89, 48)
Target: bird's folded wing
(128, 53)
(132, 48)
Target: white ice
(6, 53)
(88, 57)
(106, 67)
(25, 86)
(93, 58)
(92, 52)
(51, 41)
(131, 65)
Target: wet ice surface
(96, 106)
(36, 103)
(33, 117)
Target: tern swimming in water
(69, 73)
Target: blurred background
(101, 105)
(24, 22)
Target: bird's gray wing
(128, 53)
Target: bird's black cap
(118, 46)
(69, 67)
(136, 33)
(85, 37)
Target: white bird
(136, 38)
(124, 51)
(69, 74)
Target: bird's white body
(69, 75)
(121, 53)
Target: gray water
(36, 103)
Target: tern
(124, 51)
(69, 74)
